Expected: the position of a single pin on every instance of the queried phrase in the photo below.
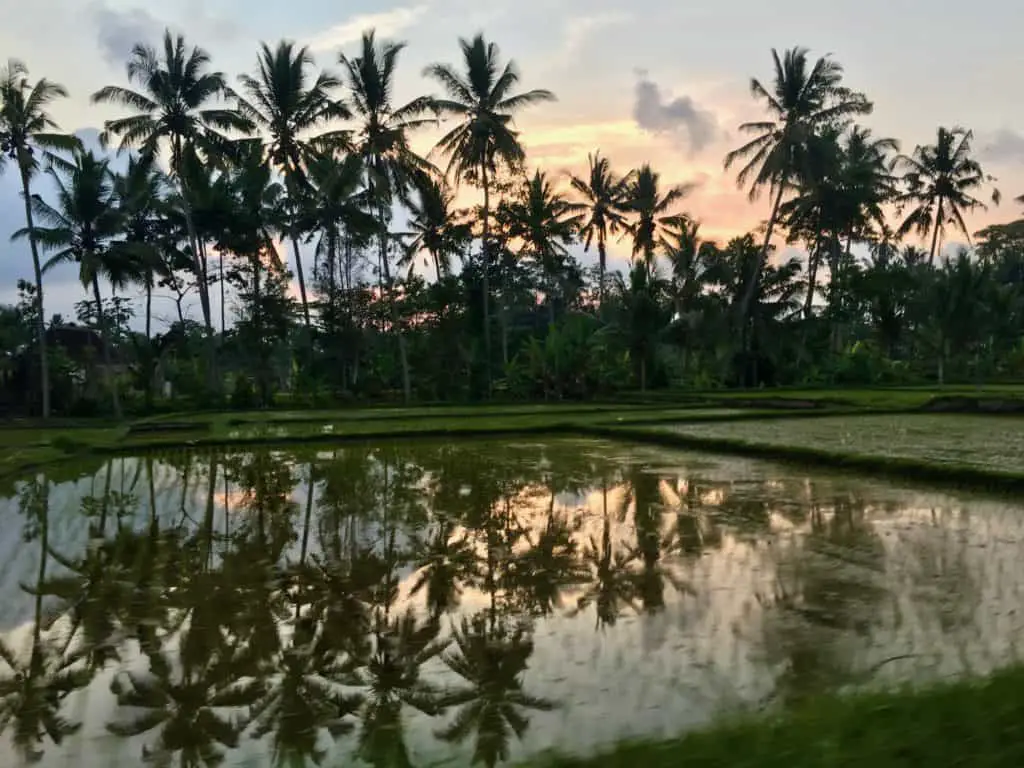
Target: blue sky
(644, 80)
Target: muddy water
(425, 601)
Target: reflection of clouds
(788, 580)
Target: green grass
(982, 442)
(976, 723)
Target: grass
(954, 440)
(977, 723)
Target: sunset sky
(643, 81)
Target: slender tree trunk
(151, 358)
(44, 363)
(302, 283)
(935, 236)
(220, 277)
(813, 260)
(403, 356)
(751, 287)
(149, 311)
(108, 373)
(486, 268)
(602, 262)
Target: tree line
(220, 174)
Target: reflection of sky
(934, 577)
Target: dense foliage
(222, 182)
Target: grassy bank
(976, 723)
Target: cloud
(1005, 145)
(117, 31)
(387, 24)
(579, 30)
(681, 116)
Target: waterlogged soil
(434, 601)
(984, 442)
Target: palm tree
(604, 207)
(81, 228)
(435, 227)
(172, 106)
(391, 677)
(483, 142)
(492, 658)
(939, 180)
(802, 100)
(27, 132)
(287, 107)
(546, 223)
(653, 211)
(382, 141)
(139, 192)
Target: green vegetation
(972, 722)
(409, 292)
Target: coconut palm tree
(481, 98)
(491, 657)
(803, 99)
(435, 226)
(939, 180)
(289, 106)
(82, 228)
(654, 211)
(604, 208)
(546, 224)
(381, 139)
(139, 191)
(173, 109)
(27, 135)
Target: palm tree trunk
(302, 281)
(220, 277)
(385, 267)
(149, 311)
(751, 287)
(108, 373)
(486, 268)
(602, 261)
(44, 365)
(935, 235)
(813, 260)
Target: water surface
(408, 603)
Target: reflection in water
(397, 604)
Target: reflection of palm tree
(550, 564)
(442, 563)
(612, 583)
(304, 700)
(32, 696)
(184, 706)
(491, 657)
(391, 677)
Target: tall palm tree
(81, 228)
(939, 180)
(139, 192)
(491, 658)
(653, 209)
(28, 134)
(382, 141)
(481, 98)
(546, 223)
(288, 104)
(435, 226)
(604, 207)
(172, 108)
(802, 99)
